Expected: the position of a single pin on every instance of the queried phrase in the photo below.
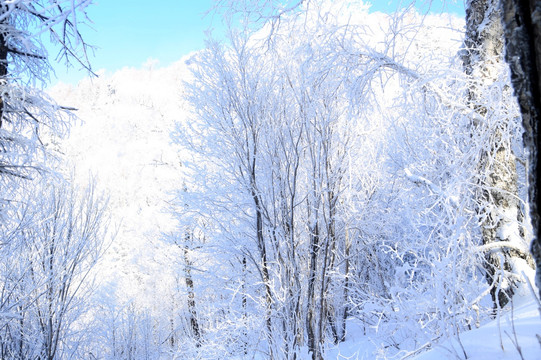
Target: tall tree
(499, 206)
(228, 100)
(522, 23)
(27, 113)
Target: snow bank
(517, 328)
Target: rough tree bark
(522, 24)
(499, 204)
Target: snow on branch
(422, 180)
(497, 245)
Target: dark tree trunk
(522, 33)
(345, 314)
(311, 321)
(3, 65)
(194, 324)
(262, 251)
(244, 306)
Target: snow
(494, 340)
(356, 346)
(125, 142)
(498, 339)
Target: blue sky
(129, 32)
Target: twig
(428, 345)
(534, 294)
(460, 342)
(515, 340)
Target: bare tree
(236, 83)
(26, 114)
(60, 240)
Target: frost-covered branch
(499, 245)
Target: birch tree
(522, 35)
(500, 208)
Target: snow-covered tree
(523, 39)
(495, 124)
(58, 241)
(25, 66)
(353, 142)
(30, 126)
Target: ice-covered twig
(422, 180)
(502, 244)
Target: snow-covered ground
(516, 334)
(517, 329)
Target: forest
(321, 182)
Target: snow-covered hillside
(122, 140)
(515, 334)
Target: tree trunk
(499, 206)
(522, 23)
(327, 308)
(262, 253)
(194, 324)
(3, 64)
(311, 316)
(244, 306)
(345, 313)
(311, 313)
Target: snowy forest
(319, 182)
